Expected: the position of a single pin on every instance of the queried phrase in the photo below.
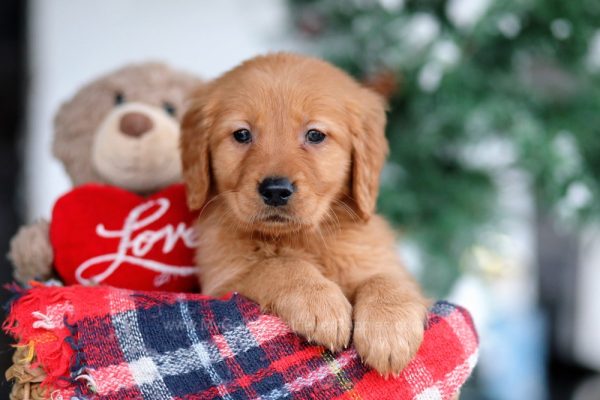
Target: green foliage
(520, 77)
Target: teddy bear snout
(135, 124)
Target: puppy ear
(384, 82)
(369, 150)
(195, 156)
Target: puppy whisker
(349, 211)
(219, 196)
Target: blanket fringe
(41, 344)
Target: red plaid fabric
(113, 344)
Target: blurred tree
(485, 85)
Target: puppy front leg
(389, 318)
(298, 293)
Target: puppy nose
(276, 191)
(135, 124)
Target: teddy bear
(121, 130)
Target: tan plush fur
(78, 119)
(324, 262)
(30, 251)
(89, 142)
(140, 164)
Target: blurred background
(494, 176)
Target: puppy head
(281, 140)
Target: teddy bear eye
(314, 136)
(242, 136)
(119, 98)
(169, 108)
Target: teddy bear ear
(189, 84)
(74, 125)
(195, 157)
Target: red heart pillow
(105, 235)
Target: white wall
(72, 41)
(587, 315)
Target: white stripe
(140, 363)
(200, 350)
(240, 339)
(431, 393)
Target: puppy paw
(387, 337)
(321, 313)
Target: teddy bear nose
(135, 124)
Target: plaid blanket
(113, 344)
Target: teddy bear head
(122, 129)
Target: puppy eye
(119, 98)
(242, 136)
(169, 108)
(314, 136)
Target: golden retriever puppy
(284, 154)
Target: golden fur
(324, 262)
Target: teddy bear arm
(31, 252)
